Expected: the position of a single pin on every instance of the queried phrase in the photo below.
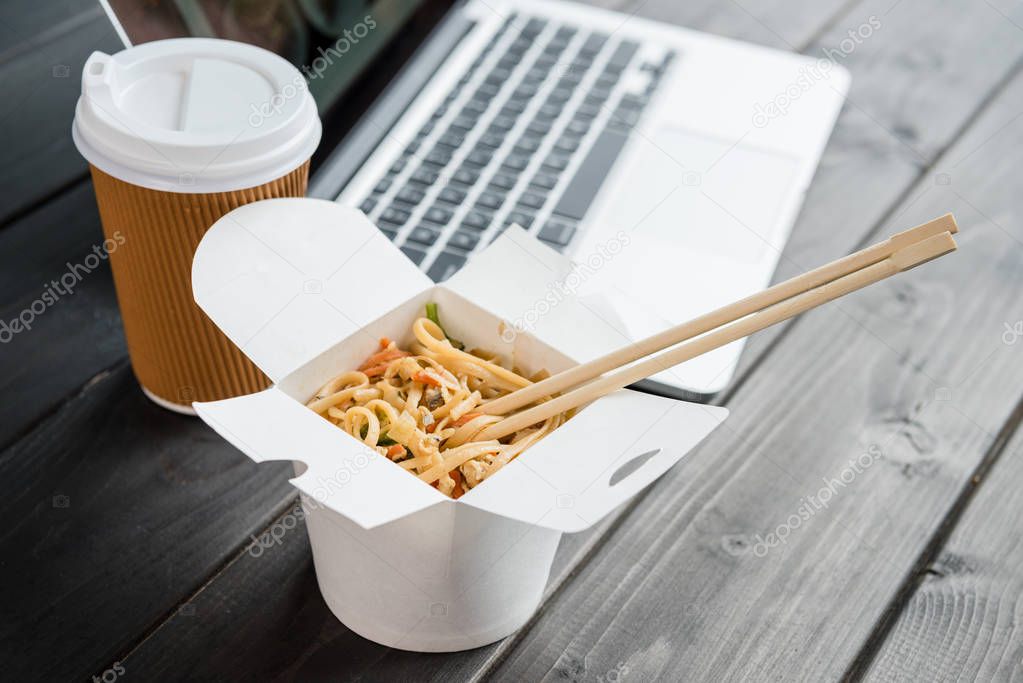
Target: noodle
(419, 408)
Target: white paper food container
(306, 288)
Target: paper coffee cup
(177, 133)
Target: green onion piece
(431, 314)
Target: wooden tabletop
(130, 534)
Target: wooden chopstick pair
(785, 300)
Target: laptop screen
(333, 42)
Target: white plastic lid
(195, 115)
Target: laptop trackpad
(698, 193)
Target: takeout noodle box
(306, 288)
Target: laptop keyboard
(526, 137)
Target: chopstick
(902, 258)
(709, 321)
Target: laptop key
(451, 139)
(568, 145)
(490, 200)
(463, 239)
(622, 56)
(591, 173)
(534, 76)
(466, 176)
(424, 235)
(559, 96)
(452, 195)
(502, 122)
(550, 110)
(382, 186)
(520, 218)
(556, 162)
(424, 176)
(526, 146)
(533, 28)
(525, 91)
(532, 199)
(477, 220)
(474, 107)
(513, 108)
(577, 127)
(624, 118)
(438, 157)
(410, 195)
(389, 233)
(416, 255)
(463, 123)
(491, 140)
(486, 92)
(478, 157)
(446, 265)
(498, 76)
(368, 205)
(396, 216)
(557, 232)
(438, 214)
(503, 181)
(538, 127)
(593, 43)
(516, 162)
(545, 181)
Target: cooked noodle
(419, 408)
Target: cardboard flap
(602, 457)
(342, 473)
(286, 278)
(544, 300)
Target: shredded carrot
(376, 370)
(465, 418)
(384, 342)
(458, 490)
(432, 427)
(395, 450)
(385, 356)
(426, 378)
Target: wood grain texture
(964, 621)
(72, 339)
(43, 49)
(116, 511)
(914, 371)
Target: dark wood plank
(44, 47)
(74, 335)
(962, 624)
(914, 370)
(116, 511)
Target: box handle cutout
(631, 466)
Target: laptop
(668, 164)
